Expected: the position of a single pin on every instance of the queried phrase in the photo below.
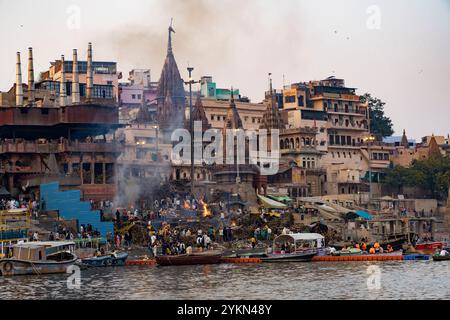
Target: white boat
(39, 257)
(295, 247)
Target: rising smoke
(215, 37)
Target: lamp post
(191, 124)
(157, 140)
(369, 140)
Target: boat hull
(14, 267)
(290, 257)
(191, 259)
(105, 261)
(441, 258)
(429, 247)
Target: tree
(380, 125)
(432, 175)
(396, 178)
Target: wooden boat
(396, 244)
(245, 253)
(441, 258)
(39, 258)
(295, 247)
(348, 252)
(111, 259)
(207, 257)
(429, 247)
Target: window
(289, 99)
(140, 153)
(139, 96)
(133, 96)
(300, 101)
(212, 117)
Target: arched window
(281, 144)
(297, 143)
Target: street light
(157, 140)
(369, 139)
(191, 124)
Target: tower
(170, 93)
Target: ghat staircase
(70, 207)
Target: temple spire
(233, 120)
(404, 142)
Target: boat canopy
(301, 237)
(32, 244)
(271, 204)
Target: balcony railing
(57, 147)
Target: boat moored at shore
(39, 258)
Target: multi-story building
(208, 89)
(45, 136)
(139, 92)
(343, 152)
(405, 153)
(105, 77)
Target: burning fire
(186, 205)
(206, 211)
(233, 223)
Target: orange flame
(206, 211)
(233, 223)
(186, 205)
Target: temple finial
(169, 46)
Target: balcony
(350, 112)
(302, 150)
(342, 126)
(59, 147)
(108, 147)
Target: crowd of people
(372, 249)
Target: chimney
(62, 85)
(75, 80)
(89, 73)
(19, 89)
(30, 77)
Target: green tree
(432, 175)
(380, 125)
(396, 178)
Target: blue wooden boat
(110, 259)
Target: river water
(315, 280)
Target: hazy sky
(397, 50)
